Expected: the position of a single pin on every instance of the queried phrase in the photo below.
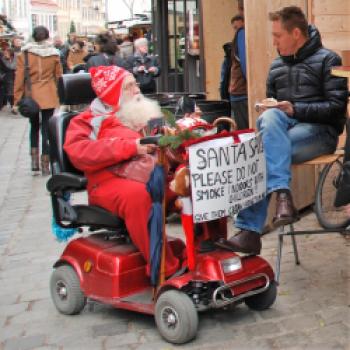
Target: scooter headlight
(231, 264)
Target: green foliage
(169, 117)
(175, 141)
(72, 27)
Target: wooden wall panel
(331, 7)
(332, 18)
(217, 30)
(333, 23)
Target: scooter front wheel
(263, 300)
(176, 317)
(65, 291)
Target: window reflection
(177, 23)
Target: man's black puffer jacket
(305, 80)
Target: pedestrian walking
(108, 52)
(76, 55)
(44, 70)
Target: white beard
(136, 112)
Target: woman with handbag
(38, 79)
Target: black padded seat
(96, 217)
(74, 89)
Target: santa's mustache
(136, 112)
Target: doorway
(176, 41)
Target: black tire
(327, 214)
(65, 291)
(176, 317)
(263, 300)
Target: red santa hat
(107, 82)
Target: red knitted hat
(107, 83)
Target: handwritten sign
(226, 177)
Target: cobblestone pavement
(311, 312)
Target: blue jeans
(286, 141)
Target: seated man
(109, 133)
(303, 125)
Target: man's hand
(286, 107)
(152, 69)
(141, 69)
(144, 149)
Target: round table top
(341, 71)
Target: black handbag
(27, 106)
(342, 196)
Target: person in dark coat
(7, 69)
(108, 53)
(238, 75)
(304, 122)
(225, 72)
(145, 67)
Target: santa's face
(129, 89)
(137, 111)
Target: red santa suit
(96, 141)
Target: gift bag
(137, 168)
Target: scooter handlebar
(148, 140)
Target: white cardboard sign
(226, 177)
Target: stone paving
(311, 311)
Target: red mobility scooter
(106, 267)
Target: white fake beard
(136, 112)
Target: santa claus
(107, 134)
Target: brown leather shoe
(286, 213)
(244, 241)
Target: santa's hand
(144, 149)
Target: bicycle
(329, 216)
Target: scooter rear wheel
(176, 317)
(65, 291)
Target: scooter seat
(93, 216)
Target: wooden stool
(322, 160)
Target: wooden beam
(217, 30)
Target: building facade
(44, 12)
(88, 16)
(17, 13)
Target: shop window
(193, 32)
(35, 20)
(178, 18)
(54, 24)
